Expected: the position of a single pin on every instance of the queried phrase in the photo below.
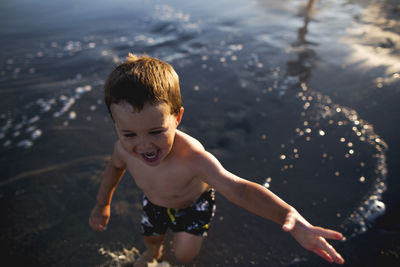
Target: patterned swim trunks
(194, 219)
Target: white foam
(23, 132)
(126, 257)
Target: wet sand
(56, 134)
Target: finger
(94, 226)
(327, 248)
(289, 223)
(323, 254)
(327, 233)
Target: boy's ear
(179, 116)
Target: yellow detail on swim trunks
(171, 216)
(206, 226)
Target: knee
(185, 256)
(186, 246)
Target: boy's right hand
(312, 237)
(99, 217)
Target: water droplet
(24, 144)
(33, 119)
(36, 134)
(72, 115)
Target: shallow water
(299, 96)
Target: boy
(174, 171)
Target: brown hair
(143, 79)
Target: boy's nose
(144, 145)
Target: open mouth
(151, 157)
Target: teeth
(150, 156)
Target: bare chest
(172, 186)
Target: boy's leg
(153, 250)
(187, 246)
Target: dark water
(301, 96)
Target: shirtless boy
(174, 171)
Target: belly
(178, 199)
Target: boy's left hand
(312, 237)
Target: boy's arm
(248, 195)
(261, 201)
(112, 175)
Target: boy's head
(142, 80)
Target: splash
(119, 258)
(126, 257)
(321, 116)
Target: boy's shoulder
(190, 151)
(196, 158)
(187, 143)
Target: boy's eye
(156, 132)
(130, 135)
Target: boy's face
(147, 134)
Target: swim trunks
(194, 219)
